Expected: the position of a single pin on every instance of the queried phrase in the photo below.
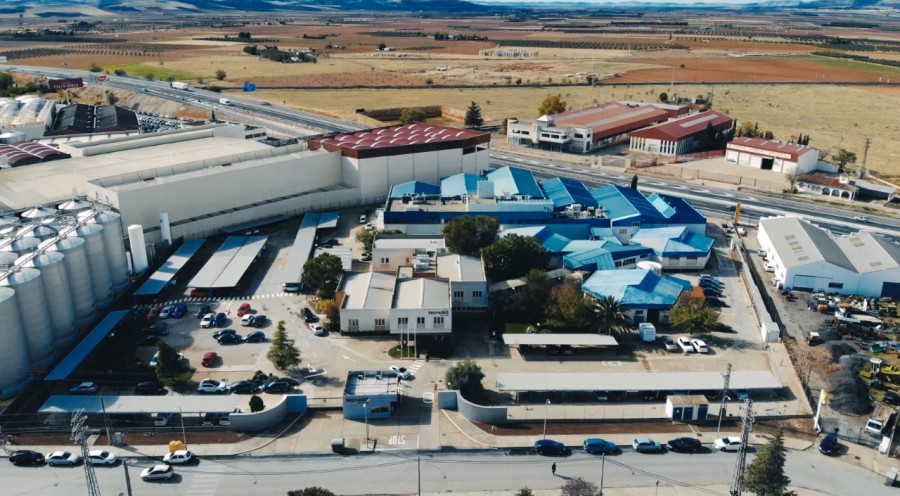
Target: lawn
(159, 72)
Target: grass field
(834, 116)
(853, 65)
(161, 72)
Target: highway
(398, 473)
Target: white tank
(33, 312)
(16, 371)
(59, 299)
(7, 258)
(8, 219)
(40, 232)
(165, 228)
(656, 267)
(37, 213)
(138, 248)
(23, 245)
(74, 206)
(96, 257)
(115, 248)
(79, 274)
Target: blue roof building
(414, 188)
(647, 295)
(563, 192)
(677, 210)
(512, 181)
(624, 206)
(589, 260)
(676, 247)
(460, 185)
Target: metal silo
(79, 273)
(37, 213)
(7, 258)
(74, 206)
(32, 309)
(39, 232)
(101, 280)
(114, 240)
(23, 245)
(59, 299)
(14, 352)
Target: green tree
(473, 116)
(95, 68)
(765, 474)
(381, 47)
(367, 238)
(311, 491)
(469, 235)
(169, 363)
(553, 104)
(119, 72)
(244, 35)
(429, 82)
(692, 315)
(663, 97)
(513, 256)
(610, 316)
(6, 81)
(322, 273)
(150, 76)
(256, 404)
(579, 487)
(466, 377)
(412, 114)
(332, 313)
(283, 354)
(525, 492)
(221, 75)
(569, 308)
(843, 157)
(111, 98)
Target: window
(457, 294)
(639, 312)
(420, 320)
(691, 258)
(385, 260)
(624, 262)
(353, 322)
(836, 285)
(476, 294)
(379, 322)
(636, 224)
(438, 321)
(403, 321)
(623, 231)
(579, 135)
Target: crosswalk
(192, 299)
(415, 366)
(206, 483)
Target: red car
(154, 312)
(244, 309)
(210, 359)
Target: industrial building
(391, 251)
(681, 136)
(28, 153)
(371, 394)
(468, 282)
(787, 158)
(26, 117)
(585, 129)
(808, 258)
(647, 294)
(79, 118)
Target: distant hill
(277, 5)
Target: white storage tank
(40, 232)
(74, 206)
(96, 257)
(138, 248)
(22, 245)
(59, 299)
(114, 241)
(656, 267)
(7, 258)
(79, 274)
(14, 352)
(35, 319)
(37, 213)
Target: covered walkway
(86, 346)
(158, 280)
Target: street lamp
(366, 406)
(545, 418)
(183, 434)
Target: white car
(402, 373)
(317, 329)
(212, 386)
(247, 319)
(769, 267)
(699, 346)
(363, 219)
(162, 419)
(861, 218)
(208, 320)
(179, 457)
(63, 458)
(728, 444)
(370, 227)
(102, 458)
(166, 311)
(158, 472)
(155, 359)
(684, 343)
(669, 344)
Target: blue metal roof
(169, 268)
(564, 191)
(86, 346)
(512, 181)
(535, 231)
(414, 188)
(676, 209)
(674, 241)
(556, 243)
(622, 203)
(596, 259)
(635, 288)
(459, 185)
(328, 220)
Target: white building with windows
(758, 153)
(392, 251)
(468, 283)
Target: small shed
(687, 408)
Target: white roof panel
(228, 264)
(634, 381)
(559, 339)
(142, 404)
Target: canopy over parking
(140, 404)
(254, 224)
(169, 268)
(328, 220)
(86, 346)
(634, 381)
(303, 245)
(228, 264)
(559, 340)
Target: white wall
(395, 258)
(429, 327)
(683, 262)
(870, 284)
(468, 289)
(366, 318)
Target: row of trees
(415, 114)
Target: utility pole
(862, 168)
(419, 470)
(741, 461)
(602, 469)
(79, 434)
(726, 382)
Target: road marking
(348, 358)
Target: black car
(244, 387)
(277, 386)
(891, 398)
(685, 445)
(711, 283)
(258, 321)
(256, 337)
(204, 309)
(150, 388)
(156, 330)
(26, 457)
(219, 321)
(549, 447)
(712, 292)
(140, 313)
(308, 316)
(218, 334)
(230, 339)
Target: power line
(741, 461)
(79, 434)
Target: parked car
(26, 457)
(255, 337)
(739, 394)
(222, 332)
(149, 341)
(163, 419)
(200, 293)
(210, 419)
(646, 445)
(154, 312)
(209, 359)
(258, 321)
(308, 315)
(220, 319)
(717, 293)
(244, 309)
(317, 329)
(208, 320)
(669, 344)
(291, 287)
(202, 311)
(699, 346)
(150, 388)
(728, 443)
(769, 267)
(166, 312)
(247, 319)
(179, 311)
(685, 445)
(101, 457)
(599, 446)
(63, 458)
(610, 395)
(157, 472)
(278, 386)
(212, 386)
(140, 313)
(156, 330)
(155, 359)
(549, 447)
(363, 219)
(891, 398)
(245, 387)
(230, 339)
(402, 372)
(685, 344)
(829, 444)
(761, 252)
(85, 388)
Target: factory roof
(564, 192)
(80, 118)
(513, 181)
(27, 153)
(84, 348)
(684, 127)
(405, 138)
(873, 186)
(371, 382)
(595, 259)
(623, 203)
(130, 404)
(676, 209)
(372, 290)
(609, 118)
(634, 381)
(674, 241)
(413, 188)
(421, 293)
(228, 264)
(460, 185)
(774, 148)
(638, 288)
(300, 250)
(460, 268)
(158, 280)
(25, 110)
(559, 339)
(408, 241)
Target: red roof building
(680, 136)
(787, 158)
(400, 140)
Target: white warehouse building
(808, 258)
(758, 153)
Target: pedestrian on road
(553, 469)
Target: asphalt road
(396, 473)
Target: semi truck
(224, 101)
(179, 86)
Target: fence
(856, 435)
(704, 175)
(688, 157)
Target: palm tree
(610, 316)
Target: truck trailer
(224, 101)
(179, 86)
